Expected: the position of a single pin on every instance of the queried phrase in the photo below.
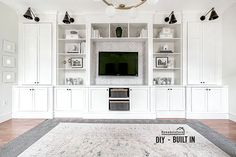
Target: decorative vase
(118, 32)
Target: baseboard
(120, 116)
(207, 116)
(67, 114)
(4, 117)
(170, 114)
(34, 115)
(232, 117)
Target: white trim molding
(232, 117)
(4, 117)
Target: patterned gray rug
(77, 137)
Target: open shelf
(71, 54)
(115, 39)
(167, 38)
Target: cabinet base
(33, 115)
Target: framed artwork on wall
(8, 77)
(8, 61)
(9, 46)
(161, 62)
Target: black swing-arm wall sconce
(29, 14)
(213, 15)
(171, 18)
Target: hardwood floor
(224, 127)
(11, 129)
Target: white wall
(229, 57)
(8, 31)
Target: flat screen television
(118, 64)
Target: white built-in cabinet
(169, 99)
(204, 51)
(32, 102)
(139, 99)
(99, 101)
(207, 102)
(36, 59)
(70, 100)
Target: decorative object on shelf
(71, 34)
(83, 47)
(161, 62)
(73, 81)
(171, 63)
(171, 18)
(29, 14)
(67, 19)
(8, 61)
(118, 32)
(213, 15)
(9, 77)
(95, 33)
(76, 62)
(144, 33)
(166, 33)
(165, 49)
(72, 48)
(9, 46)
(163, 81)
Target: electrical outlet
(4, 103)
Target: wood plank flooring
(11, 129)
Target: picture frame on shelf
(73, 81)
(8, 77)
(76, 62)
(73, 48)
(9, 46)
(161, 62)
(8, 61)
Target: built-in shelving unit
(167, 54)
(71, 54)
(134, 38)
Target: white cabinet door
(99, 99)
(215, 100)
(30, 49)
(194, 53)
(199, 100)
(40, 99)
(44, 54)
(25, 99)
(78, 99)
(63, 99)
(211, 50)
(162, 99)
(177, 99)
(139, 99)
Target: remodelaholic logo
(175, 136)
(178, 131)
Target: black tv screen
(118, 63)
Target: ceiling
(91, 6)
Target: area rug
(120, 138)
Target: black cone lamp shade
(173, 19)
(28, 14)
(213, 15)
(67, 19)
